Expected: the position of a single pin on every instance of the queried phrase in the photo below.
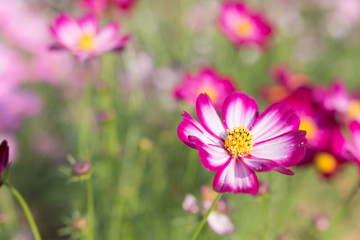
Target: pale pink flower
(243, 26)
(83, 37)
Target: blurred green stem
(90, 209)
(85, 124)
(27, 212)
(265, 208)
(341, 212)
(206, 216)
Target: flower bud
(104, 116)
(79, 224)
(81, 168)
(264, 187)
(321, 222)
(101, 85)
(3, 217)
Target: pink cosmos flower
(95, 6)
(218, 220)
(326, 144)
(338, 100)
(206, 81)
(285, 81)
(125, 5)
(243, 26)
(99, 6)
(84, 39)
(243, 142)
(353, 145)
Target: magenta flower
(4, 159)
(206, 81)
(243, 26)
(353, 146)
(99, 6)
(95, 6)
(125, 5)
(84, 39)
(244, 142)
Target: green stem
(341, 212)
(265, 208)
(206, 216)
(90, 209)
(27, 212)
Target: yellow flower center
(245, 28)
(210, 92)
(325, 162)
(239, 141)
(87, 42)
(308, 125)
(354, 109)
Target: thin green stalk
(341, 212)
(265, 209)
(90, 210)
(85, 124)
(206, 216)
(27, 212)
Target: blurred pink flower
(285, 81)
(45, 67)
(243, 142)
(16, 106)
(325, 148)
(12, 69)
(243, 26)
(95, 6)
(83, 38)
(338, 100)
(218, 220)
(125, 5)
(18, 21)
(206, 81)
(100, 6)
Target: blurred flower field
(179, 119)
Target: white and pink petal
(236, 177)
(287, 149)
(208, 116)
(212, 157)
(239, 110)
(220, 223)
(276, 120)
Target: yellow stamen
(307, 124)
(239, 141)
(325, 162)
(245, 28)
(354, 109)
(87, 42)
(210, 92)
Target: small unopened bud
(79, 224)
(283, 236)
(264, 187)
(104, 116)
(81, 168)
(321, 223)
(3, 217)
(101, 85)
